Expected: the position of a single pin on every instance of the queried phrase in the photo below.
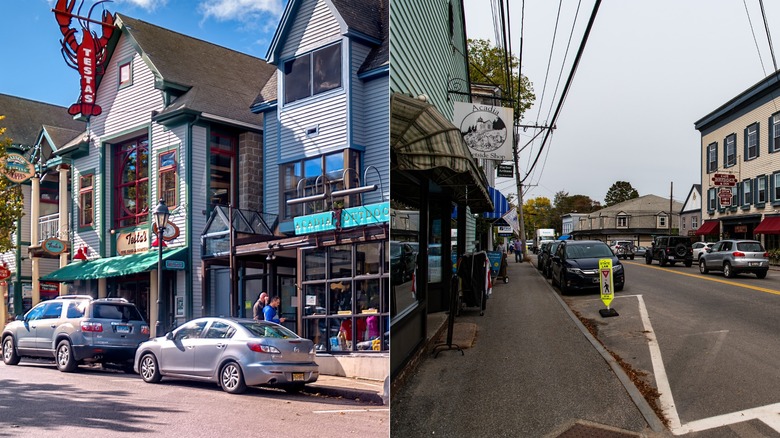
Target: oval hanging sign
(170, 232)
(16, 168)
(54, 246)
(5, 273)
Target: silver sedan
(234, 353)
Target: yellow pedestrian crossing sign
(605, 281)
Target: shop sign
(487, 130)
(54, 246)
(350, 217)
(176, 265)
(5, 273)
(133, 242)
(17, 169)
(505, 171)
(170, 232)
(50, 290)
(724, 195)
(740, 228)
(724, 180)
(504, 231)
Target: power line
(568, 81)
(752, 31)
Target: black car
(547, 267)
(575, 265)
(670, 249)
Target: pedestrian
(271, 310)
(257, 309)
(500, 248)
(518, 251)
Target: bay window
(131, 188)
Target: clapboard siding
(271, 164)
(47, 266)
(329, 113)
(199, 184)
(358, 103)
(314, 26)
(377, 138)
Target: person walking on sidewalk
(518, 251)
(257, 309)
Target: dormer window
(313, 73)
(662, 221)
(622, 220)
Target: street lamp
(161, 215)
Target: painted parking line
(348, 411)
(711, 278)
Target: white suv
(700, 248)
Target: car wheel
(619, 287)
(231, 379)
(562, 284)
(648, 259)
(688, 263)
(728, 272)
(761, 274)
(9, 351)
(662, 262)
(65, 360)
(680, 250)
(632, 257)
(703, 267)
(149, 369)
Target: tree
(487, 65)
(565, 204)
(12, 206)
(621, 191)
(537, 213)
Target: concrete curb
(347, 393)
(652, 419)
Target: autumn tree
(537, 213)
(563, 203)
(621, 191)
(487, 65)
(13, 202)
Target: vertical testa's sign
(88, 56)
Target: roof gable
(646, 203)
(25, 118)
(693, 200)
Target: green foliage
(621, 191)
(11, 208)
(565, 204)
(537, 213)
(487, 65)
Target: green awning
(114, 266)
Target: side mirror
(169, 336)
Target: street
(37, 400)
(708, 344)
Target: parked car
(547, 268)
(75, 329)
(734, 257)
(623, 249)
(670, 249)
(234, 353)
(402, 262)
(575, 265)
(699, 248)
(542, 253)
(640, 251)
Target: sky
(33, 67)
(649, 71)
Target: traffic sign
(725, 195)
(724, 180)
(605, 281)
(5, 273)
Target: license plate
(671, 257)
(298, 377)
(754, 263)
(123, 329)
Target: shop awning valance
(114, 266)
(423, 140)
(770, 225)
(708, 227)
(500, 204)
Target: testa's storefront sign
(350, 217)
(54, 246)
(133, 242)
(16, 168)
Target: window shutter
(771, 187)
(715, 151)
(771, 140)
(755, 190)
(758, 139)
(745, 146)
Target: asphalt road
(709, 344)
(37, 400)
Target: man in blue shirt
(270, 311)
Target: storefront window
(86, 200)
(322, 173)
(221, 168)
(168, 178)
(347, 309)
(132, 183)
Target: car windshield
(116, 311)
(750, 247)
(264, 330)
(584, 251)
(395, 250)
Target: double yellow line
(709, 278)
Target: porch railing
(48, 226)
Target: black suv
(670, 249)
(74, 329)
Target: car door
(715, 259)
(211, 347)
(178, 354)
(50, 320)
(25, 335)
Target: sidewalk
(528, 368)
(369, 391)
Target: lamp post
(161, 215)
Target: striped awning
(424, 141)
(114, 266)
(500, 204)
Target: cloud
(149, 5)
(240, 10)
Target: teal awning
(114, 266)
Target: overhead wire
(568, 83)
(755, 40)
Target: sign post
(607, 287)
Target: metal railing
(48, 226)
